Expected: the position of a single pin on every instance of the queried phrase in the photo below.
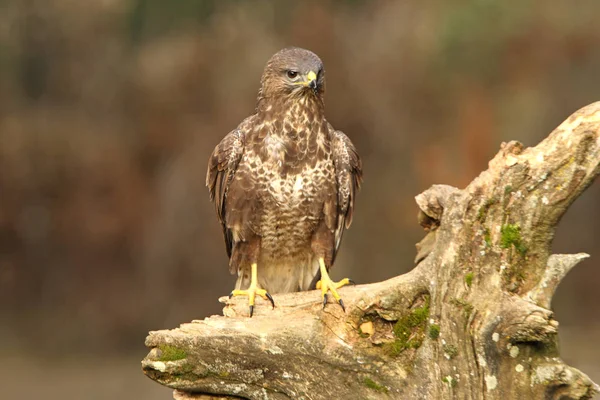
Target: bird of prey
(284, 183)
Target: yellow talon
(253, 290)
(327, 285)
(337, 285)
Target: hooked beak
(311, 80)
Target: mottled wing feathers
(348, 171)
(222, 165)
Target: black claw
(231, 295)
(351, 282)
(342, 304)
(251, 311)
(324, 300)
(271, 299)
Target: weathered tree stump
(470, 321)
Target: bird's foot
(327, 285)
(251, 292)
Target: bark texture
(471, 321)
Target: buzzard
(284, 184)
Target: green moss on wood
(487, 237)
(482, 213)
(450, 350)
(469, 279)
(186, 372)
(450, 381)
(511, 236)
(409, 330)
(371, 384)
(465, 305)
(171, 353)
(434, 331)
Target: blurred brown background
(109, 110)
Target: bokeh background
(109, 110)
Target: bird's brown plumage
(284, 181)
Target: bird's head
(293, 72)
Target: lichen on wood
(472, 320)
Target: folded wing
(222, 166)
(348, 170)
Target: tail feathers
(282, 276)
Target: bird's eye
(292, 74)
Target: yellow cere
(311, 76)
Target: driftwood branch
(470, 321)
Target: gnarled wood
(470, 321)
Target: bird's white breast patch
(298, 185)
(275, 148)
